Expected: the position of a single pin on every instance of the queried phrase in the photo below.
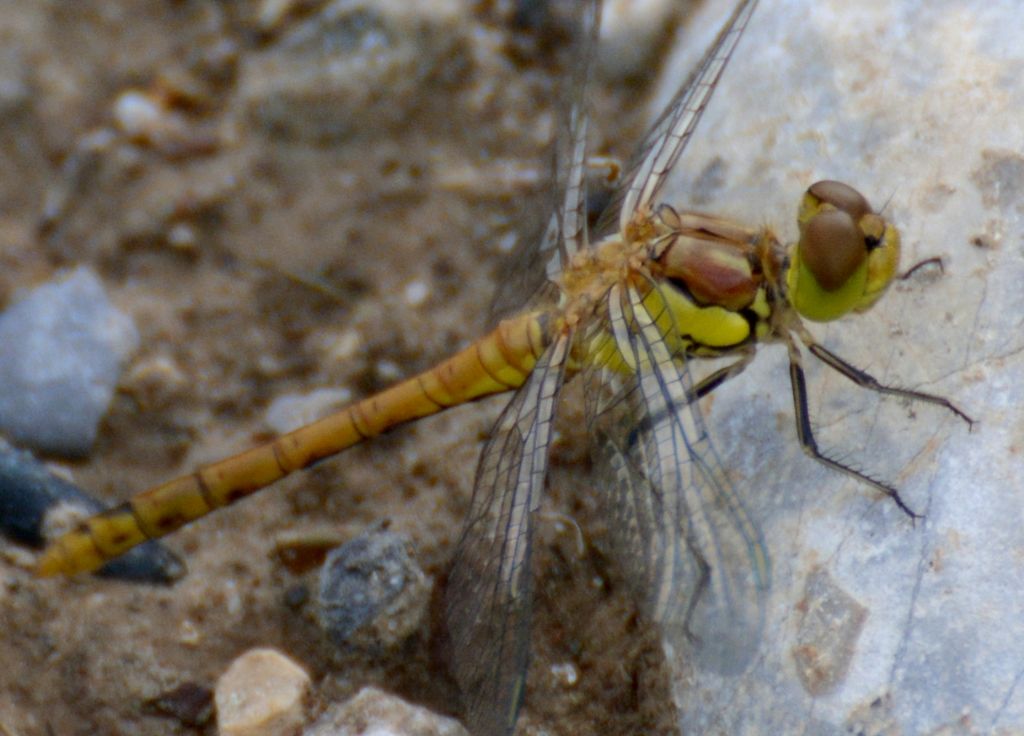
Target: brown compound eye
(846, 255)
(842, 197)
(832, 248)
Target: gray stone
(373, 711)
(918, 105)
(62, 348)
(373, 595)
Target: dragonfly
(626, 306)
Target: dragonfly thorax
(717, 262)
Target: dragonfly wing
(668, 137)
(540, 259)
(571, 149)
(489, 590)
(682, 534)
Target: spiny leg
(716, 379)
(806, 435)
(865, 380)
(933, 261)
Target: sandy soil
(271, 235)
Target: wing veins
(668, 137)
(489, 590)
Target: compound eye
(842, 197)
(832, 248)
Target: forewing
(489, 590)
(570, 166)
(668, 137)
(681, 531)
(540, 258)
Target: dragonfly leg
(716, 379)
(806, 435)
(933, 261)
(865, 380)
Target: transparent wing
(681, 532)
(668, 137)
(540, 258)
(572, 148)
(489, 591)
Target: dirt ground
(284, 225)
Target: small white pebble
(389, 371)
(262, 693)
(292, 411)
(565, 673)
(232, 600)
(189, 634)
(342, 348)
(182, 236)
(416, 293)
(156, 381)
(507, 242)
(137, 114)
(373, 712)
(270, 365)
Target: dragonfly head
(846, 256)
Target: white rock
(62, 348)
(373, 712)
(292, 411)
(137, 113)
(262, 693)
(918, 105)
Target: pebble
(190, 704)
(373, 595)
(416, 293)
(262, 693)
(62, 348)
(147, 118)
(377, 713)
(137, 114)
(292, 411)
(37, 504)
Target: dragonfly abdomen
(498, 362)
